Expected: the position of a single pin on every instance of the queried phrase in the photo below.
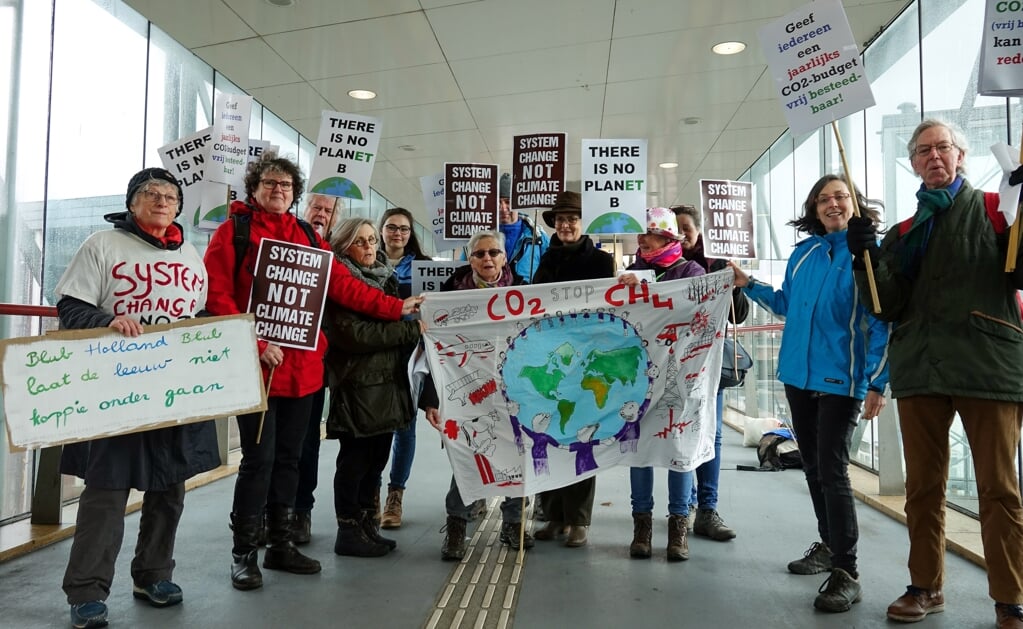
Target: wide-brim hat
(567, 202)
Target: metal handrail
(24, 310)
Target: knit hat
(567, 202)
(661, 222)
(504, 187)
(146, 174)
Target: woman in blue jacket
(833, 356)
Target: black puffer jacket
(579, 261)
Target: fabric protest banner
(230, 139)
(433, 199)
(289, 290)
(470, 199)
(538, 170)
(1001, 52)
(428, 275)
(815, 62)
(729, 218)
(346, 149)
(76, 385)
(614, 186)
(541, 386)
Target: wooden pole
(1013, 251)
(269, 380)
(875, 300)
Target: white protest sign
(433, 199)
(1001, 52)
(77, 385)
(230, 139)
(614, 186)
(216, 197)
(729, 218)
(345, 154)
(289, 290)
(816, 65)
(186, 159)
(538, 170)
(428, 275)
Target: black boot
(453, 548)
(303, 527)
(372, 528)
(353, 541)
(281, 553)
(245, 574)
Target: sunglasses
(493, 253)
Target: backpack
(243, 229)
(778, 452)
(733, 373)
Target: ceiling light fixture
(728, 47)
(362, 94)
(691, 120)
(281, 3)
(407, 147)
(667, 165)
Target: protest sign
(729, 218)
(614, 186)
(433, 199)
(470, 199)
(544, 385)
(1001, 52)
(77, 385)
(816, 65)
(230, 139)
(538, 170)
(216, 197)
(289, 290)
(185, 158)
(428, 275)
(346, 151)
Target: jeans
(823, 424)
(309, 462)
(360, 462)
(511, 508)
(705, 489)
(642, 483)
(403, 452)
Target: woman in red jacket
(268, 473)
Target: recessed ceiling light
(281, 3)
(729, 47)
(362, 94)
(690, 120)
(407, 147)
(668, 165)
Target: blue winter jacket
(831, 342)
(524, 254)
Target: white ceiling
(457, 79)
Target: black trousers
(360, 464)
(309, 461)
(99, 532)
(268, 473)
(824, 425)
(571, 504)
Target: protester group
(947, 339)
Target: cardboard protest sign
(816, 65)
(346, 151)
(1001, 52)
(230, 139)
(428, 275)
(433, 199)
(77, 385)
(470, 199)
(538, 170)
(729, 218)
(186, 159)
(543, 386)
(289, 290)
(614, 186)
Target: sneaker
(91, 614)
(815, 560)
(915, 604)
(159, 594)
(709, 524)
(510, 536)
(1008, 616)
(838, 592)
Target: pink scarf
(665, 256)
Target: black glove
(1016, 177)
(862, 237)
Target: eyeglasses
(838, 197)
(924, 150)
(394, 229)
(569, 219)
(154, 196)
(269, 184)
(365, 242)
(482, 253)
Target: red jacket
(301, 373)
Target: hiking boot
(372, 530)
(453, 548)
(478, 510)
(303, 527)
(352, 540)
(510, 536)
(159, 594)
(281, 553)
(691, 518)
(391, 517)
(678, 544)
(90, 614)
(838, 592)
(551, 530)
(709, 524)
(815, 560)
(1008, 616)
(576, 536)
(642, 533)
(915, 604)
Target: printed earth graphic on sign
(582, 369)
(614, 223)
(338, 187)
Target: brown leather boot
(678, 541)
(915, 604)
(453, 548)
(391, 517)
(642, 534)
(551, 530)
(577, 536)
